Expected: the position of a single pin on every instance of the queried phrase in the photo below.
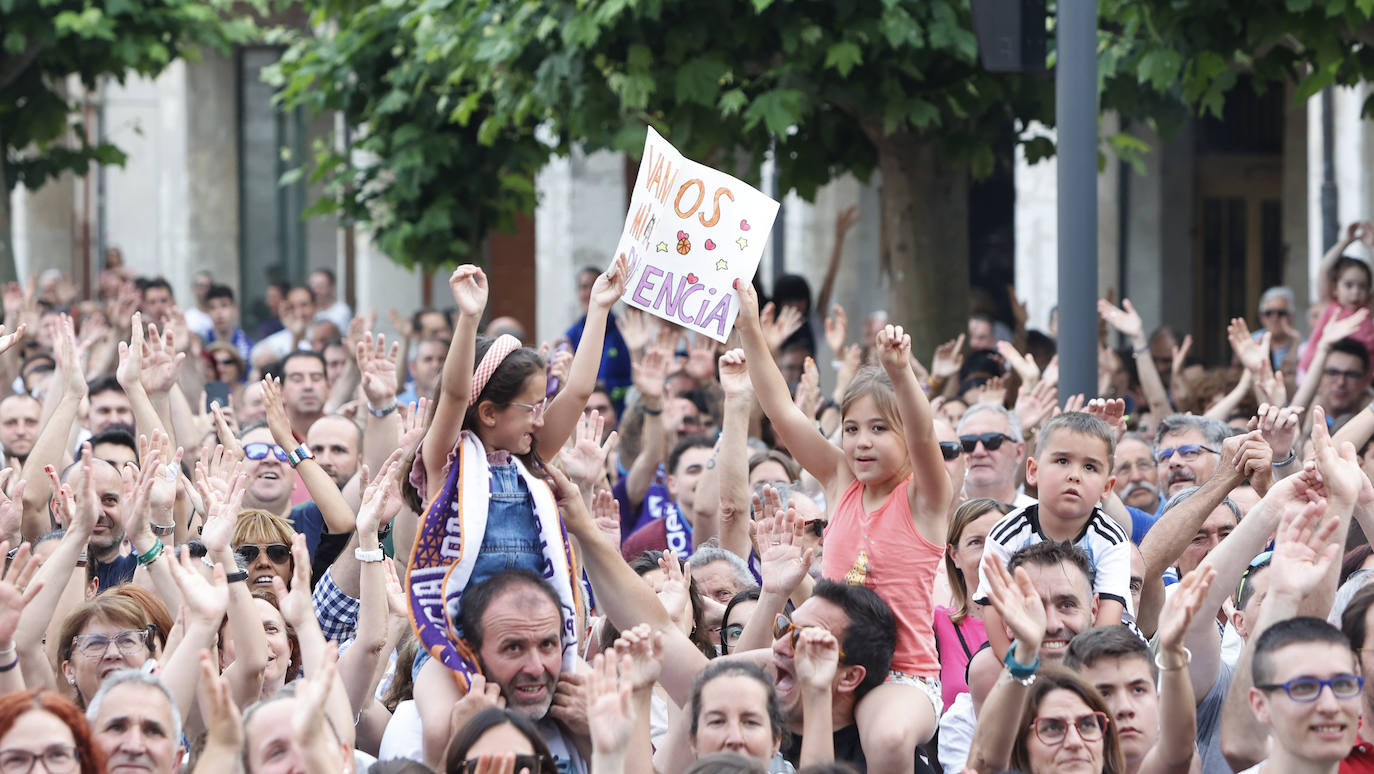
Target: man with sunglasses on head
(994, 450)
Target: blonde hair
(255, 525)
(873, 382)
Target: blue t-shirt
(1141, 521)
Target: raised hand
(223, 724)
(8, 340)
(129, 373)
(1179, 354)
(734, 374)
(1112, 411)
(1304, 549)
(1339, 468)
(610, 714)
(893, 346)
(215, 473)
(469, 287)
(67, 354)
(675, 590)
(11, 505)
(382, 498)
(1249, 352)
(203, 601)
(1022, 365)
(222, 514)
(836, 328)
(644, 648)
(413, 425)
(377, 366)
(651, 372)
(610, 285)
(1278, 426)
(808, 397)
(701, 358)
(778, 324)
(1181, 606)
(606, 515)
(1035, 403)
(777, 538)
(161, 361)
(949, 358)
(816, 658)
(308, 714)
(17, 589)
(1336, 330)
(164, 491)
(276, 413)
(585, 459)
(636, 328)
(295, 605)
(1018, 603)
(1124, 319)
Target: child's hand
(748, 305)
(894, 348)
(610, 286)
(469, 287)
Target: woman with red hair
(41, 725)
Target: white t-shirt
(1107, 545)
(956, 732)
(403, 737)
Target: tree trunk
(925, 245)
(8, 271)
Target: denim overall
(511, 540)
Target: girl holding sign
(488, 505)
(887, 526)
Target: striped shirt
(1107, 545)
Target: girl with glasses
(41, 727)
(479, 482)
(492, 734)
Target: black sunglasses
(277, 553)
(950, 449)
(990, 441)
(535, 764)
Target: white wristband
(375, 555)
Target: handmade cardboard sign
(690, 233)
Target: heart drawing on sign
(691, 279)
(682, 235)
(710, 244)
(744, 225)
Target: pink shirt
(884, 551)
(1334, 311)
(957, 646)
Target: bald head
(337, 443)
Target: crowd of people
(316, 550)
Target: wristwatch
(237, 577)
(300, 454)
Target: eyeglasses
(1260, 561)
(537, 409)
(1308, 689)
(225, 362)
(258, 451)
(950, 449)
(1187, 452)
(1275, 313)
(731, 634)
(1053, 731)
(94, 646)
(536, 764)
(277, 553)
(1336, 373)
(57, 759)
(990, 441)
(783, 626)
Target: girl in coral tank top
(891, 497)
